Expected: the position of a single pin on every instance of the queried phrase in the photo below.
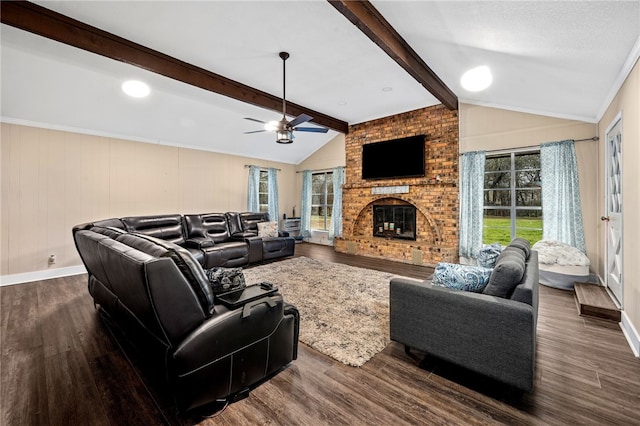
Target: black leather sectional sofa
(146, 277)
(214, 239)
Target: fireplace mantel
(430, 182)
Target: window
(263, 191)
(321, 200)
(512, 198)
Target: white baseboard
(631, 334)
(41, 275)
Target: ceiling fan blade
(302, 118)
(256, 120)
(311, 129)
(255, 131)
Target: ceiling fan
(284, 129)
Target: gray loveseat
(491, 335)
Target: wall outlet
(52, 259)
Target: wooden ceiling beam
(367, 18)
(55, 26)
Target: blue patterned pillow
(488, 255)
(461, 277)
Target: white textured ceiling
(554, 58)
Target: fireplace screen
(394, 222)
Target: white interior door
(613, 213)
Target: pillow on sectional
(507, 273)
(223, 280)
(267, 229)
(523, 245)
(461, 277)
(488, 255)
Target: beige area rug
(344, 310)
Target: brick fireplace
(434, 196)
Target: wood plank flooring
(59, 366)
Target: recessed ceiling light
(136, 89)
(387, 89)
(477, 79)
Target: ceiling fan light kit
(284, 129)
(284, 137)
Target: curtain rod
(264, 168)
(318, 170)
(524, 148)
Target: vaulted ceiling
(562, 59)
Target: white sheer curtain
(471, 203)
(305, 214)
(253, 198)
(561, 207)
(335, 228)
(272, 179)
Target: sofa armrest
(487, 334)
(199, 242)
(253, 241)
(244, 236)
(227, 332)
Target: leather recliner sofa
(155, 294)
(214, 239)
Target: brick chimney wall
(435, 196)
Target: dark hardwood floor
(59, 366)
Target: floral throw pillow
(488, 255)
(223, 280)
(267, 229)
(461, 277)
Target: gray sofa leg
(407, 350)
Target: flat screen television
(395, 158)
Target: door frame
(616, 120)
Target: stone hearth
(435, 196)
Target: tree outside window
(512, 198)
(263, 191)
(321, 200)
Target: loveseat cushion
(507, 273)
(523, 245)
(461, 277)
(190, 268)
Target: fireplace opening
(391, 221)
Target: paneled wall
(52, 180)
